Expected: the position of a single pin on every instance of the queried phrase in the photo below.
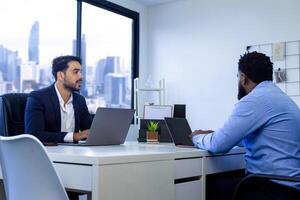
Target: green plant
(152, 126)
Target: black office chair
(254, 178)
(12, 109)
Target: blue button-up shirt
(267, 122)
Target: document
(158, 111)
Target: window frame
(112, 7)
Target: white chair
(28, 173)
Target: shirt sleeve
(247, 117)
(68, 137)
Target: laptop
(180, 130)
(109, 127)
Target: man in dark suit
(59, 113)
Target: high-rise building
(3, 61)
(10, 67)
(29, 76)
(111, 66)
(33, 44)
(115, 90)
(99, 76)
(74, 48)
(83, 89)
(46, 77)
(13, 69)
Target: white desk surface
(100, 169)
(126, 153)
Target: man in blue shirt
(265, 120)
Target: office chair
(28, 173)
(12, 109)
(257, 177)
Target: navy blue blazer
(42, 115)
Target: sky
(107, 33)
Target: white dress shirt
(67, 116)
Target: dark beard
(70, 87)
(241, 92)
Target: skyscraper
(33, 44)
(115, 89)
(4, 52)
(9, 65)
(83, 89)
(83, 63)
(99, 77)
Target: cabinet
(189, 179)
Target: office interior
(194, 45)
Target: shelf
(137, 93)
(149, 89)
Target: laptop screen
(180, 130)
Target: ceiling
(153, 2)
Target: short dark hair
(61, 63)
(256, 66)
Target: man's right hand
(197, 132)
(81, 135)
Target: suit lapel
(56, 106)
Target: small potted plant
(152, 133)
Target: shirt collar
(263, 84)
(61, 101)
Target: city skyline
(47, 31)
(107, 33)
(106, 84)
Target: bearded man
(58, 113)
(267, 122)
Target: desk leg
(204, 178)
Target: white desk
(137, 171)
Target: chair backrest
(28, 173)
(12, 109)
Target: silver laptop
(109, 127)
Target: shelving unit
(161, 90)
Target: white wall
(142, 10)
(195, 45)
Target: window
(30, 38)
(106, 52)
(103, 34)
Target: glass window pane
(106, 54)
(32, 34)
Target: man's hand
(81, 135)
(197, 132)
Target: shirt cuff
(198, 140)
(68, 137)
